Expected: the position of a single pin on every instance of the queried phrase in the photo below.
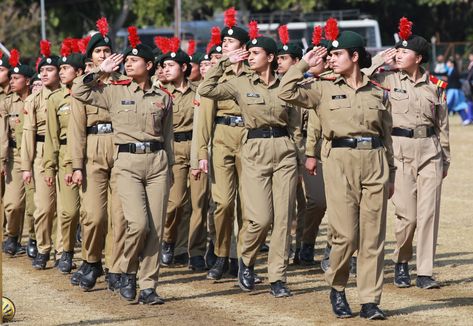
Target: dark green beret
(268, 44)
(4, 62)
(75, 59)
(418, 44)
(215, 49)
(35, 77)
(96, 41)
(196, 57)
(142, 51)
(157, 54)
(347, 40)
(291, 48)
(206, 57)
(179, 56)
(24, 70)
(49, 61)
(235, 32)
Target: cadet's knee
(137, 228)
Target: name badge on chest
(339, 97)
(252, 95)
(403, 91)
(128, 102)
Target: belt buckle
(364, 143)
(103, 128)
(140, 148)
(232, 122)
(239, 122)
(420, 132)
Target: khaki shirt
(260, 106)
(182, 106)
(35, 124)
(343, 111)
(11, 123)
(59, 112)
(137, 115)
(417, 103)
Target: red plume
(174, 43)
(133, 36)
(230, 17)
(102, 26)
(37, 63)
(405, 28)
(331, 29)
(317, 35)
(83, 44)
(66, 47)
(14, 58)
(162, 43)
(191, 48)
(1, 54)
(215, 38)
(45, 48)
(253, 29)
(75, 45)
(283, 34)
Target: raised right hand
(238, 55)
(112, 63)
(315, 56)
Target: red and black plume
(191, 48)
(253, 30)
(102, 26)
(66, 47)
(405, 30)
(317, 35)
(133, 37)
(283, 34)
(174, 44)
(82, 43)
(162, 43)
(45, 48)
(215, 38)
(230, 17)
(14, 58)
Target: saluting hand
(112, 63)
(389, 56)
(237, 55)
(315, 56)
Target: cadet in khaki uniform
(358, 160)
(90, 143)
(11, 112)
(176, 64)
(32, 150)
(269, 157)
(57, 159)
(422, 156)
(143, 130)
(223, 127)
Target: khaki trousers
(14, 199)
(143, 184)
(300, 212)
(269, 193)
(417, 200)
(357, 198)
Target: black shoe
(218, 269)
(31, 248)
(10, 246)
(264, 248)
(128, 286)
(340, 306)
(149, 296)
(210, 257)
(246, 277)
(197, 263)
(88, 280)
(182, 259)
(296, 260)
(258, 279)
(114, 282)
(371, 311)
(20, 250)
(353, 266)
(325, 263)
(77, 275)
(426, 282)
(306, 255)
(233, 271)
(65, 263)
(401, 275)
(167, 253)
(40, 261)
(279, 290)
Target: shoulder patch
(375, 83)
(121, 82)
(440, 83)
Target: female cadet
(142, 125)
(269, 157)
(357, 152)
(56, 158)
(421, 153)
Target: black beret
(268, 44)
(418, 44)
(196, 57)
(179, 56)
(142, 51)
(291, 48)
(75, 59)
(347, 40)
(96, 41)
(235, 32)
(52, 60)
(24, 70)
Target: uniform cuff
(77, 164)
(302, 66)
(49, 173)
(203, 155)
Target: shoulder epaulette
(121, 82)
(375, 83)
(440, 83)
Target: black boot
(149, 296)
(280, 290)
(210, 257)
(402, 278)
(182, 259)
(65, 263)
(31, 249)
(296, 260)
(167, 253)
(325, 263)
(10, 246)
(218, 269)
(77, 275)
(426, 282)
(128, 286)
(340, 306)
(233, 271)
(197, 263)
(371, 311)
(114, 282)
(40, 261)
(88, 280)
(246, 278)
(306, 255)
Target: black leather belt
(63, 141)
(418, 132)
(230, 120)
(182, 136)
(304, 133)
(267, 132)
(11, 143)
(40, 138)
(358, 143)
(100, 128)
(141, 148)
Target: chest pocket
(64, 113)
(89, 109)
(430, 105)
(254, 101)
(339, 103)
(154, 115)
(126, 112)
(399, 101)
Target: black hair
(364, 57)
